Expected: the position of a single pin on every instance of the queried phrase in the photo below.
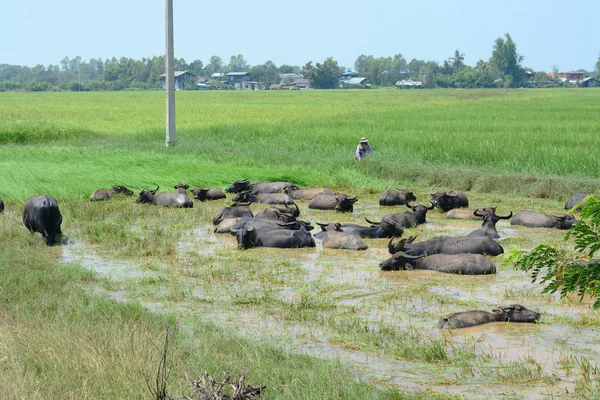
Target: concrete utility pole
(170, 77)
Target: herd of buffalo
(279, 226)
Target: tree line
(503, 68)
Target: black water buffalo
(338, 202)
(41, 214)
(576, 198)
(446, 201)
(180, 190)
(181, 185)
(463, 264)
(446, 245)
(263, 198)
(264, 224)
(538, 220)
(225, 225)
(165, 199)
(396, 197)
(378, 230)
(488, 227)
(282, 214)
(204, 194)
(306, 194)
(410, 219)
(1, 206)
(248, 238)
(511, 313)
(107, 194)
(236, 210)
(467, 214)
(343, 240)
(244, 185)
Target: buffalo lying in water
(165, 199)
(538, 220)
(466, 214)
(204, 194)
(236, 210)
(488, 227)
(377, 230)
(107, 194)
(225, 225)
(306, 194)
(282, 214)
(339, 202)
(41, 214)
(446, 245)
(252, 237)
(343, 240)
(264, 198)
(244, 185)
(463, 264)
(576, 198)
(446, 201)
(410, 219)
(396, 197)
(181, 185)
(511, 313)
(266, 224)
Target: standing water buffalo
(446, 245)
(511, 313)
(306, 194)
(463, 264)
(264, 198)
(343, 240)
(258, 187)
(538, 220)
(410, 219)
(339, 202)
(208, 194)
(377, 230)
(396, 197)
(251, 237)
(103, 194)
(165, 199)
(446, 201)
(576, 198)
(236, 210)
(488, 228)
(41, 214)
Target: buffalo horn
(477, 214)
(404, 255)
(408, 205)
(432, 206)
(509, 216)
(371, 222)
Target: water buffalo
(511, 313)
(446, 201)
(264, 224)
(104, 194)
(538, 220)
(226, 225)
(378, 230)
(410, 219)
(248, 238)
(338, 202)
(488, 227)
(343, 240)
(165, 199)
(41, 214)
(306, 194)
(263, 198)
(466, 214)
(282, 214)
(576, 198)
(446, 245)
(258, 187)
(236, 210)
(180, 190)
(181, 185)
(463, 264)
(396, 197)
(208, 194)
(1, 205)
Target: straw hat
(364, 140)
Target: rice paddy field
(87, 318)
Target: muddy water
(353, 281)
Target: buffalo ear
(452, 193)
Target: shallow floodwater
(258, 294)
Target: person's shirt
(362, 152)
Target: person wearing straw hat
(363, 150)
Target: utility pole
(170, 78)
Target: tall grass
(538, 143)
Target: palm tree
(457, 61)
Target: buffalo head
(146, 196)
(246, 238)
(345, 203)
(564, 221)
(391, 228)
(239, 186)
(517, 313)
(399, 261)
(181, 185)
(122, 189)
(245, 196)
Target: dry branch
(209, 389)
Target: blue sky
(546, 32)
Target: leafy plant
(557, 269)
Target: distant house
(354, 83)
(301, 84)
(241, 81)
(571, 76)
(181, 78)
(409, 84)
(219, 76)
(589, 82)
(349, 75)
(288, 79)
